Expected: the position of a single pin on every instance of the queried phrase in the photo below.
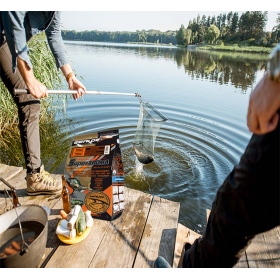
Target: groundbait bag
(96, 174)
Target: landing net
(149, 123)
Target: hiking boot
(42, 182)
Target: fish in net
(148, 126)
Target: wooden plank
(263, 252)
(121, 241)
(79, 255)
(52, 242)
(184, 235)
(108, 237)
(243, 261)
(7, 172)
(17, 181)
(160, 233)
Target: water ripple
(204, 135)
(193, 151)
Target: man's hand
(36, 88)
(75, 84)
(262, 116)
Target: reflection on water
(237, 69)
(204, 96)
(223, 68)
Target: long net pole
(22, 91)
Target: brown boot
(43, 183)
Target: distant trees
(139, 36)
(181, 36)
(212, 34)
(248, 29)
(276, 30)
(252, 25)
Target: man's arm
(13, 23)
(53, 33)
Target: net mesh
(149, 123)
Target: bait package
(96, 174)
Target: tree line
(228, 28)
(143, 36)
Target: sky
(131, 15)
(138, 20)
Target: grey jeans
(28, 110)
(246, 204)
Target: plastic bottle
(65, 196)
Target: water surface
(203, 95)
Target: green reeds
(53, 132)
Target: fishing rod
(23, 91)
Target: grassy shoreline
(228, 48)
(234, 48)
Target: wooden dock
(147, 228)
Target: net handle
(24, 91)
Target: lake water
(203, 95)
